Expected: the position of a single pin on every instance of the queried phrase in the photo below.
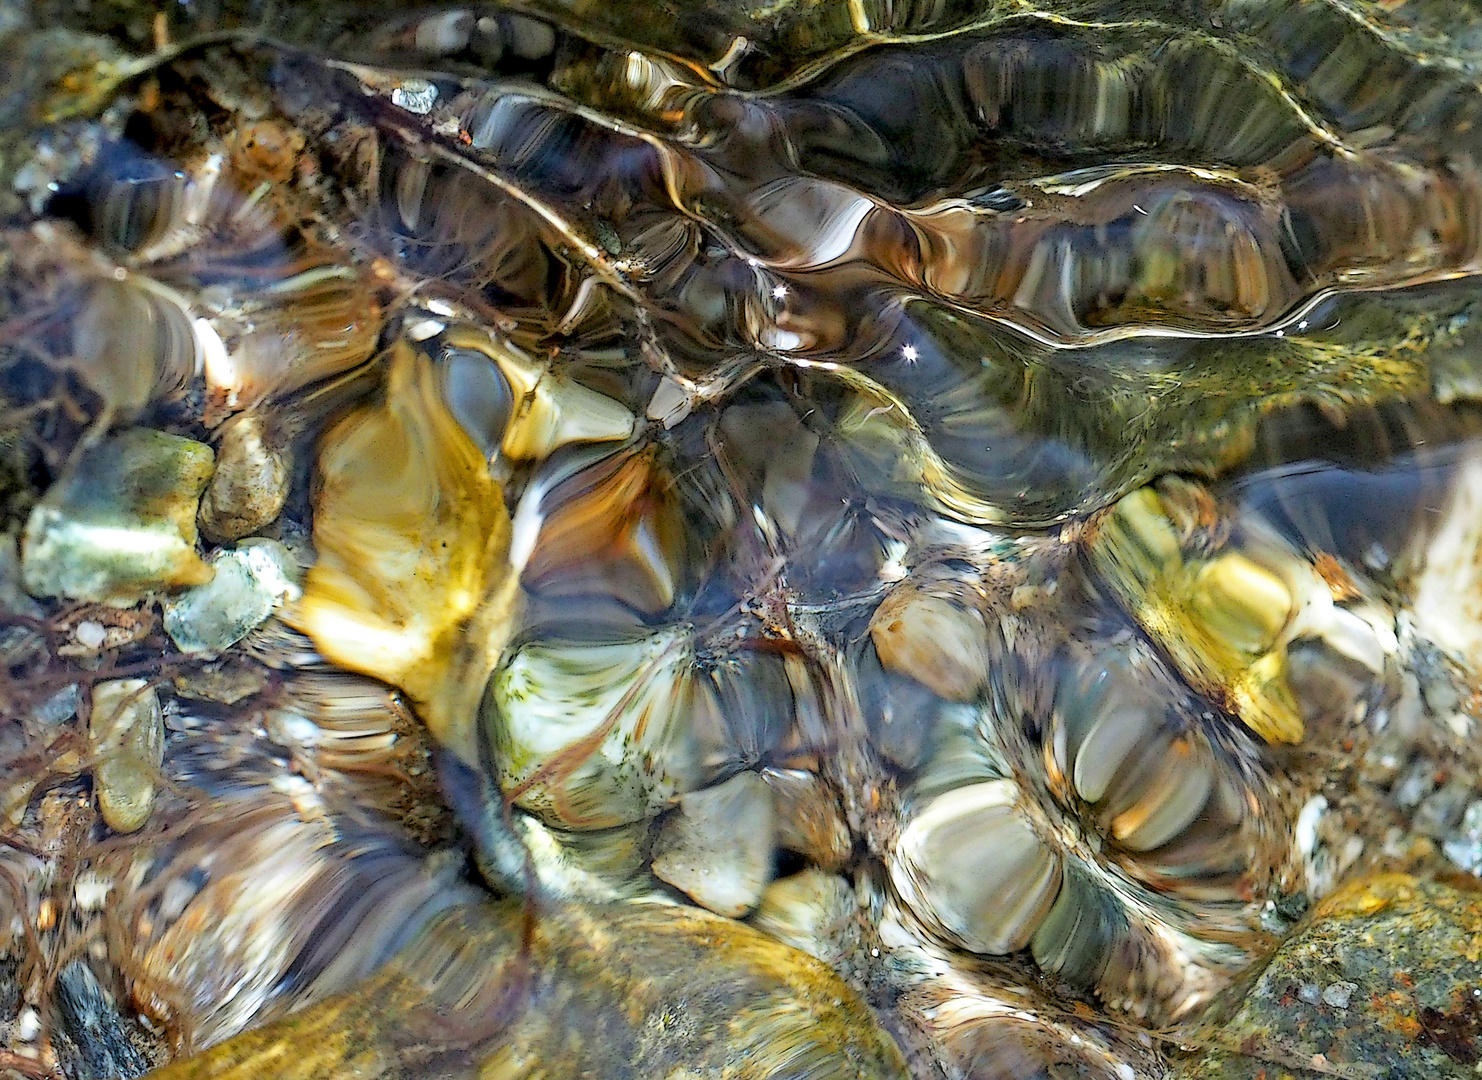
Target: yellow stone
(1241, 602)
(412, 583)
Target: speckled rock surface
(1385, 982)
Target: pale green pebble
(251, 581)
(122, 522)
(126, 731)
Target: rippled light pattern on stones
(832, 540)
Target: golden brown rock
(647, 992)
(250, 484)
(412, 584)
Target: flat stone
(251, 580)
(718, 848)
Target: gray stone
(251, 581)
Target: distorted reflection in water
(818, 540)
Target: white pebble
(284, 724)
(1305, 832)
(423, 329)
(415, 96)
(91, 891)
(90, 634)
(27, 1025)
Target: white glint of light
(779, 292)
(213, 359)
(910, 354)
(525, 526)
(821, 218)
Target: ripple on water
(862, 540)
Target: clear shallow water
(984, 497)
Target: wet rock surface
(249, 582)
(1382, 981)
(628, 992)
(123, 523)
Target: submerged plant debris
(738, 540)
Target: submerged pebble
(250, 483)
(529, 38)
(121, 522)
(250, 582)
(126, 736)
(58, 708)
(935, 641)
(718, 847)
